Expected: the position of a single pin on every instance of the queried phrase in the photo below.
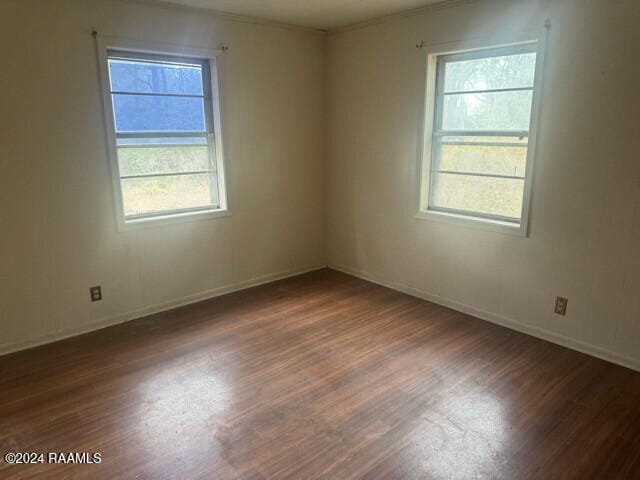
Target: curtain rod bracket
(421, 44)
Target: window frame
(432, 112)
(208, 58)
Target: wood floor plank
(318, 376)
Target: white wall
(57, 225)
(584, 238)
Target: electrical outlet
(96, 293)
(561, 305)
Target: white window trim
(426, 133)
(104, 44)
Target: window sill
(171, 218)
(474, 222)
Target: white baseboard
(151, 309)
(589, 349)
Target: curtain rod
(222, 46)
(547, 26)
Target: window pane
(151, 160)
(509, 71)
(487, 111)
(140, 76)
(487, 158)
(158, 194)
(490, 196)
(144, 113)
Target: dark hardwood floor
(318, 376)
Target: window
(478, 137)
(167, 161)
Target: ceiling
(321, 14)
